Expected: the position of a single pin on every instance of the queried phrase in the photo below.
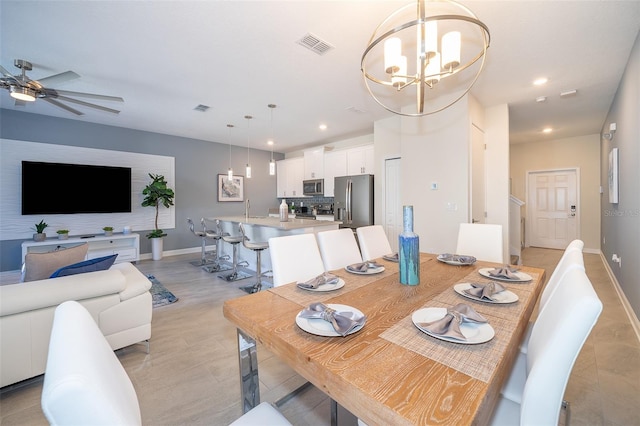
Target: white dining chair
(262, 414)
(294, 258)
(338, 248)
(482, 241)
(373, 242)
(557, 337)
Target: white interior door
(553, 208)
(392, 207)
(478, 176)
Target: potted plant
(63, 234)
(108, 230)
(156, 193)
(40, 235)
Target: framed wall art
(613, 176)
(230, 190)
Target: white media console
(127, 246)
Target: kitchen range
(313, 211)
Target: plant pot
(108, 233)
(156, 248)
(39, 237)
(63, 236)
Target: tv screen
(58, 188)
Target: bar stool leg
(258, 285)
(235, 275)
(217, 266)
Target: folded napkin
(457, 258)
(484, 291)
(315, 282)
(393, 257)
(343, 322)
(363, 267)
(505, 272)
(449, 326)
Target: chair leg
(567, 409)
(258, 285)
(235, 275)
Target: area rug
(160, 295)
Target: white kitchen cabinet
(314, 163)
(335, 164)
(289, 177)
(360, 160)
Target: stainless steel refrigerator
(353, 201)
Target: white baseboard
(147, 256)
(635, 323)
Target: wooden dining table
(390, 372)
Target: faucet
(247, 205)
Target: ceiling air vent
(314, 43)
(202, 108)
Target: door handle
(474, 221)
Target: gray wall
(197, 165)
(620, 225)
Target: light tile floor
(191, 375)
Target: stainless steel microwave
(313, 187)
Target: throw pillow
(91, 265)
(40, 266)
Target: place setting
(365, 268)
(322, 283)
(330, 320)
(456, 259)
(492, 292)
(505, 273)
(391, 257)
(460, 324)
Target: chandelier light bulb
(451, 43)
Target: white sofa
(118, 299)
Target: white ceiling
(166, 57)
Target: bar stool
(216, 236)
(257, 247)
(201, 234)
(235, 275)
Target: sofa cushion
(39, 266)
(91, 265)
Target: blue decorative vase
(409, 255)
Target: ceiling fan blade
(56, 93)
(6, 73)
(63, 106)
(87, 104)
(52, 80)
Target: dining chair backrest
(294, 258)
(571, 258)
(482, 241)
(373, 242)
(338, 248)
(556, 340)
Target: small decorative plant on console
(157, 193)
(63, 234)
(40, 235)
(108, 230)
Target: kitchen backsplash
(308, 201)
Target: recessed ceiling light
(541, 99)
(547, 130)
(322, 127)
(269, 142)
(540, 81)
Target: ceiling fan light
(23, 94)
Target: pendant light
(272, 163)
(248, 169)
(230, 171)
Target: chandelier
(441, 70)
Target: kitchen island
(262, 228)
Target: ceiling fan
(24, 90)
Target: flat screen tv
(59, 188)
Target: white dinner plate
(455, 262)
(326, 287)
(321, 327)
(504, 296)
(367, 272)
(522, 277)
(474, 333)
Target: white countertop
(274, 222)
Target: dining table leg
(249, 381)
